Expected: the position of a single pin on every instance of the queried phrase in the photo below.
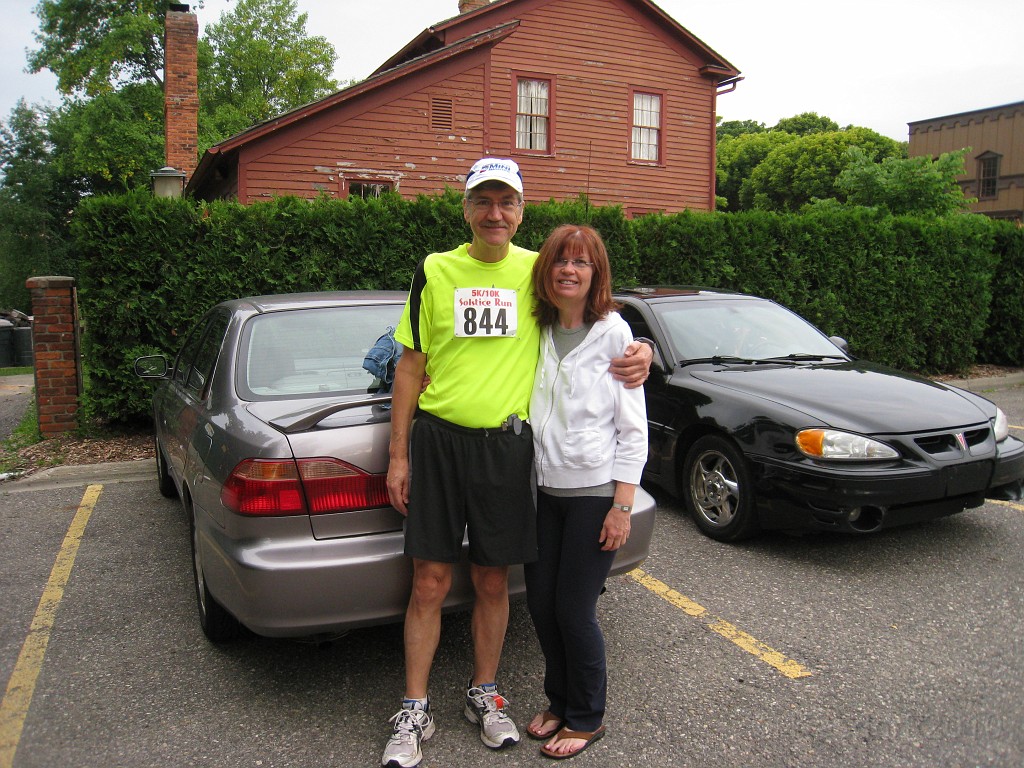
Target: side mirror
(657, 361)
(840, 342)
(151, 367)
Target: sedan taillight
(334, 486)
(308, 486)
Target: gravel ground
(12, 408)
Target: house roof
(1002, 109)
(435, 36)
(438, 43)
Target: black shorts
(473, 479)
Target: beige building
(994, 163)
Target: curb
(109, 473)
(988, 384)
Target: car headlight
(1001, 426)
(834, 444)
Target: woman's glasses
(577, 263)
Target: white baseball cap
(495, 169)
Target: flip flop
(588, 736)
(546, 717)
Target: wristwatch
(623, 507)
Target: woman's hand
(615, 530)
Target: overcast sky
(875, 63)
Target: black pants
(562, 588)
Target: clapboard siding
(595, 52)
(393, 142)
(594, 70)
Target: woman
(590, 446)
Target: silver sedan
(274, 435)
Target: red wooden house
(608, 98)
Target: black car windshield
(312, 352)
(751, 330)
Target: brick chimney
(181, 88)
(465, 6)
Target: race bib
(486, 312)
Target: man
(468, 324)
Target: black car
(760, 421)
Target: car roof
(314, 300)
(654, 293)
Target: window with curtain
(646, 127)
(988, 176)
(369, 188)
(533, 115)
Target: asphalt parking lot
(897, 649)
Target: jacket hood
(599, 329)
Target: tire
(163, 476)
(218, 625)
(718, 490)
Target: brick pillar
(181, 89)
(55, 345)
(465, 6)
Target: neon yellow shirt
(474, 321)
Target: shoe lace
(408, 724)
(493, 705)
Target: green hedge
(1003, 341)
(913, 293)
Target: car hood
(857, 396)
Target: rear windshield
(312, 352)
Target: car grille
(939, 444)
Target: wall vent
(442, 113)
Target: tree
(738, 157)
(806, 123)
(738, 128)
(793, 174)
(918, 186)
(24, 152)
(34, 206)
(112, 142)
(92, 46)
(259, 62)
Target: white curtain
(646, 126)
(533, 115)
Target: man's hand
(409, 377)
(398, 484)
(633, 368)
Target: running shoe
(411, 725)
(486, 707)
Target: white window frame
(647, 130)
(534, 126)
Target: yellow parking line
(752, 645)
(1014, 504)
(22, 685)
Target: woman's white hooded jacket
(588, 429)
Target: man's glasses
(577, 263)
(482, 204)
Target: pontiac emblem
(961, 441)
